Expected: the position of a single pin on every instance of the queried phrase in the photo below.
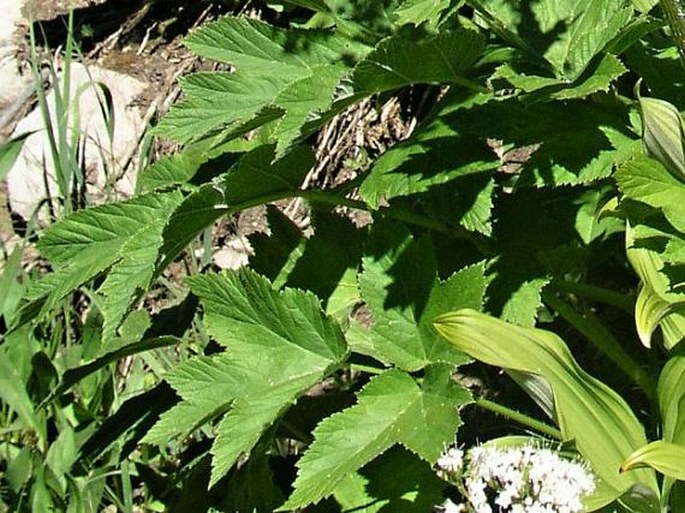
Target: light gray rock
(11, 82)
(32, 179)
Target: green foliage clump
(542, 187)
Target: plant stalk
(594, 293)
(675, 15)
(519, 417)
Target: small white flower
(450, 507)
(525, 479)
(451, 460)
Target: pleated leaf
(594, 417)
(665, 457)
(663, 134)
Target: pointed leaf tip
(663, 134)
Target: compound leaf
(279, 344)
(391, 409)
(646, 180)
(276, 70)
(399, 61)
(400, 286)
(122, 236)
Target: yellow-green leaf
(666, 457)
(604, 428)
(663, 134)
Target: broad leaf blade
(663, 134)
(279, 344)
(399, 61)
(671, 392)
(663, 456)
(401, 288)
(598, 420)
(391, 409)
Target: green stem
(675, 15)
(333, 199)
(366, 368)
(597, 333)
(406, 216)
(595, 293)
(519, 417)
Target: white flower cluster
(523, 479)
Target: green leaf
(219, 100)
(608, 70)
(10, 284)
(419, 12)
(656, 303)
(644, 6)
(75, 374)
(391, 409)
(414, 486)
(663, 134)
(598, 420)
(652, 310)
(251, 488)
(259, 49)
(169, 171)
(304, 98)
(285, 72)
(254, 180)
(663, 456)
(400, 286)
(646, 180)
(466, 201)
(337, 242)
(526, 261)
(405, 58)
(671, 392)
(591, 25)
(124, 236)
(132, 274)
(433, 156)
(314, 5)
(279, 345)
(9, 152)
(13, 394)
(276, 254)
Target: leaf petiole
(519, 417)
